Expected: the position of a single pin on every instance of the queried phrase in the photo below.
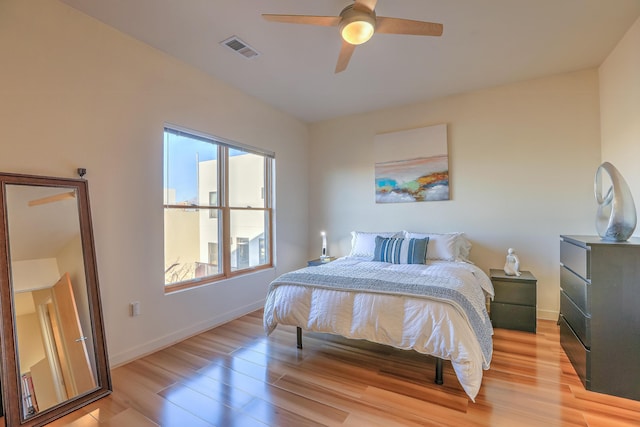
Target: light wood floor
(235, 376)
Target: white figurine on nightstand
(512, 266)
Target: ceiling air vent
(240, 47)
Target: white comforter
(423, 324)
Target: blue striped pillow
(401, 251)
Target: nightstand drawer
(575, 258)
(513, 316)
(576, 288)
(514, 292)
(579, 356)
(579, 322)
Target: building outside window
(262, 251)
(214, 254)
(217, 209)
(242, 253)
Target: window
(217, 209)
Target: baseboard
(547, 314)
(152, 346)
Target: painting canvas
(412, 165)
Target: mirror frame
(11, 387)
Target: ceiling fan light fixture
(357, 32)
(356, 27)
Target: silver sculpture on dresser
(616, 218)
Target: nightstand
(514, 304)
(318, 261)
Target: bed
(435, 306)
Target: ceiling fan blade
(323, 21)
(385, 25)
(54, 198)
(369, 5)
(345, 55)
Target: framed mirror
(54, 357)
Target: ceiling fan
(358, 22)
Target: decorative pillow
(401, 251)
(363, 244)
(445, 246)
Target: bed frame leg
(299, 336)
(439, 380)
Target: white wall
(521, 158)
(29, 336)
(32, 274)
(620, 110)
(76, 93)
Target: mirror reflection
(54, 342)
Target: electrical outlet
(134, 308)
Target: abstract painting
(412, 165)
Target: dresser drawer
(575, 258)
(580, 322)
(576, 288)
(579, 356)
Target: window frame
(213, 213)
(224, 209)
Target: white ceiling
(485, 43)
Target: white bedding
(420, 323)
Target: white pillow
(444, 246)
(363, 243)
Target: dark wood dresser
(600, 312)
